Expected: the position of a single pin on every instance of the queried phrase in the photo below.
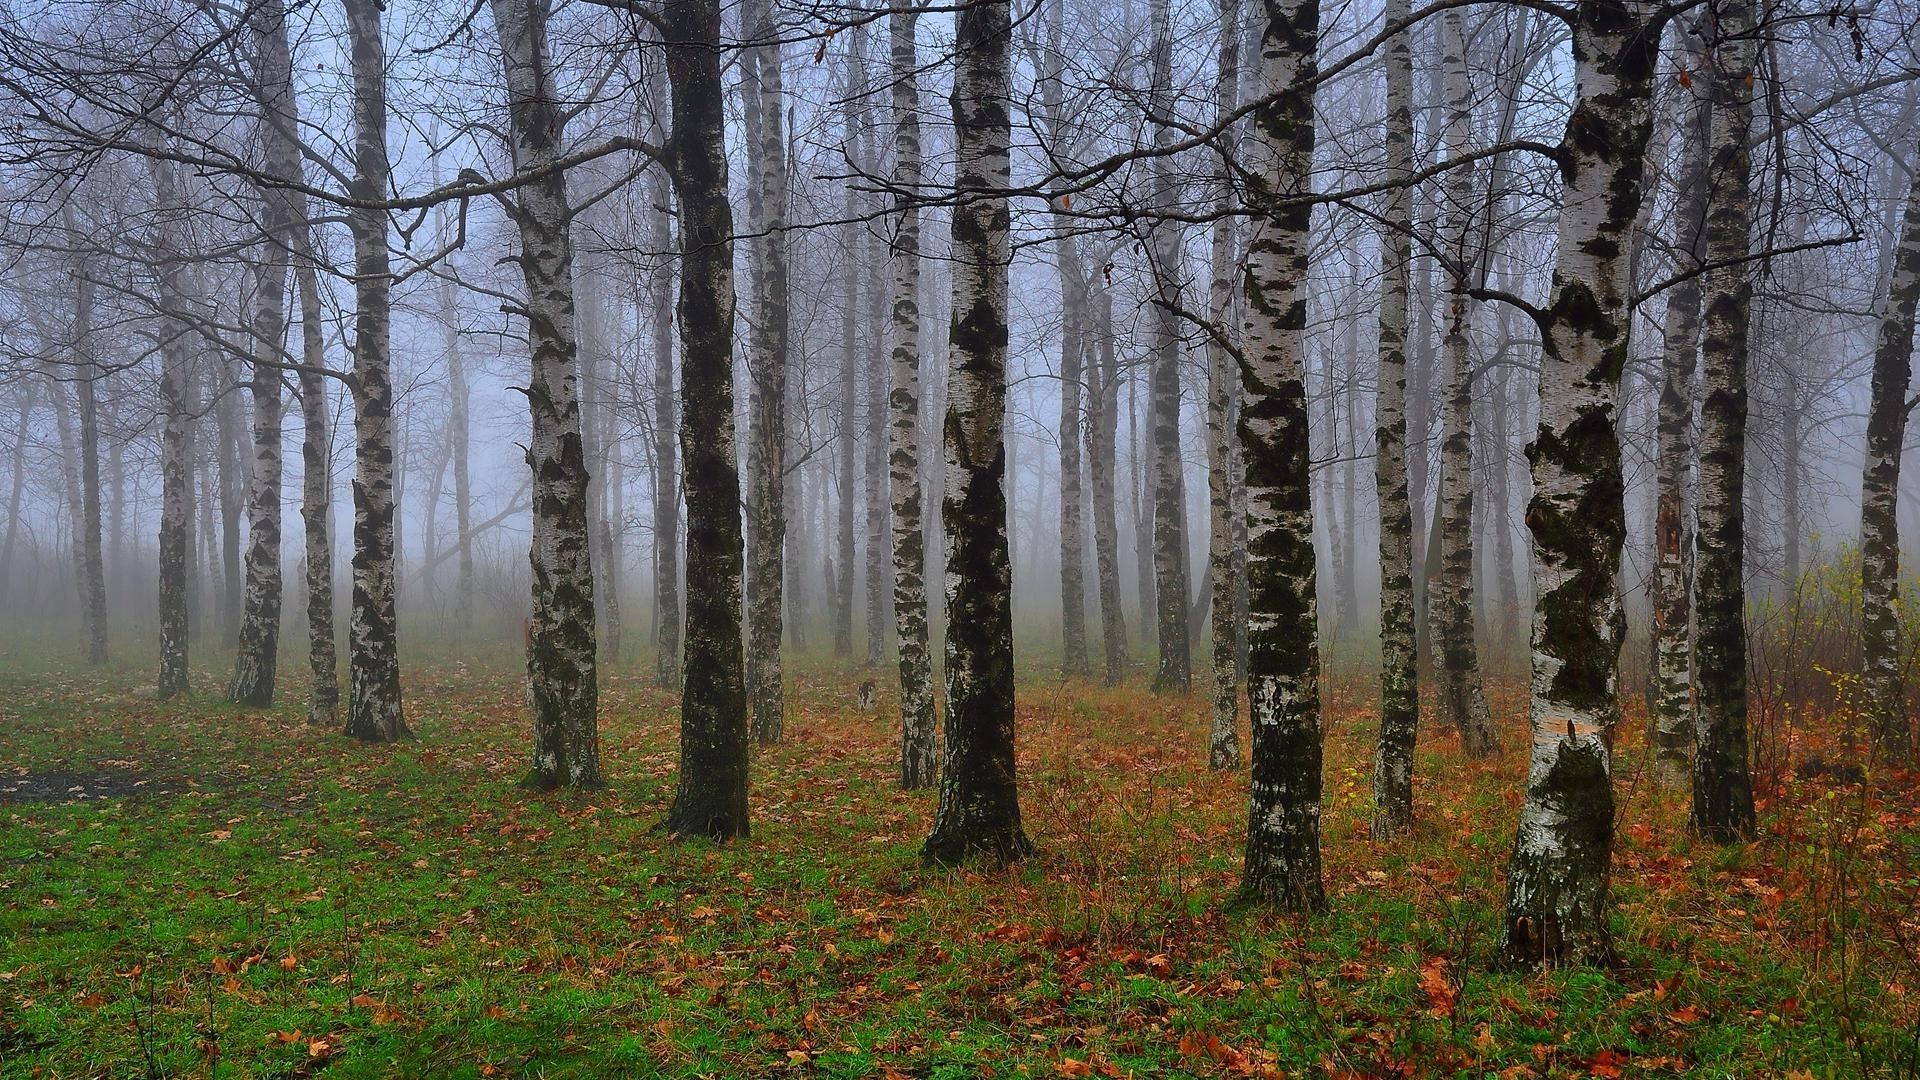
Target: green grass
(302, 904)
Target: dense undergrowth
(258, 898)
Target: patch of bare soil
(62, 786)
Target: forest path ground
(277, 901)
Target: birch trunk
(1673, 539)
(562, 648)
(767, 367)
(848, 395)
(1102, 422)
(1170, 573)
(666, 450)
(1558, 875)
(257, 658)
(230, 480)
(87, 527)
(374, 712)
(875, 408)
(711, 798)
(1074, 342)
(1223, 737)
(1722, 789)
(918, 749)
(979, 808)
(1463, 699)
(25, 389)
(1880, 491)
(1283, 654)
(459, 443)
(176, 466)
(1399, 660)
(316, 483)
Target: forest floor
(249, 896)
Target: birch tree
(1167, 260)
(1223, 463)
(710, 799)
(1399, 660)
(176, 479)
(979, 808)
(764, 102)
(1880, 601)
(1463, 700)
(918, 749)
(562, 649)
(1557, 878)
(1283, 649)
(1722, 789)
(1103, 392)
(374, 712)
(257, 657)
(1073, 362)
(1680, 332)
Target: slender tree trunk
(1722, 789)
(176, 451)
(459, 442)
(562, 649)
(979, 808)
(1140, 465)
(257, 658)
(70, 485)
(666, 449)
(874, 470)
(16, 489)
(231, 481)
(87, 527)
(316, 483)
(374, 712)
(1102, 421)
(1557, 880)
(1463, 700)
(1421, 362)
(1223, 384)
(1880, 493)
(1170, 572)
(767, 367)
(1399, 661)
(918, 750)
(1283, 657)
(1074, 342)
(847, 450)
(711, 799)
(1673, 540)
